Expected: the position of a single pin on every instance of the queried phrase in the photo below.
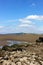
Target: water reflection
(1, 46)
(11, 42)
(15, 42)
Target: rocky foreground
(21, 58)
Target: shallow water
(1, 46)
(15, 42)
(10, 42)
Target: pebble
(20, 58)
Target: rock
(19, 63)
(0, 58)
(41, 62)
(6, 62)
(6, 57)
(12, 63)
(21, 58)
(34, 63)
(24, 63)
(24, 58)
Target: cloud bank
(35, 17)
(27, 24)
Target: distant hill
(14, 34)
(20, 37)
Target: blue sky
(21, 16)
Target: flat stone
(19, 63)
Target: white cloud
(29, 23)
(1, 27)
(40, 28)
(25, 21)
(28, 19)
(26, 26)
(23, 25)
(35, 17)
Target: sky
(21, 16)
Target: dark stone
(40, 39)
(19, 49)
